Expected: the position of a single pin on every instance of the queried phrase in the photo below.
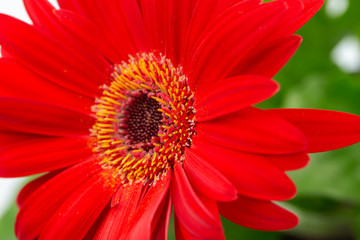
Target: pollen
(144, 119)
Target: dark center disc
(144, 119)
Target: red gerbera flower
(166, 88)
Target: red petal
(40, 118)
(208, 180)
(234, 94)
(190, 209)
(252, 175)
(268, 59)
(43, 203)
(5, 54)
(180, 14)
(156, 15)
(133, 18)
(167, 25)
(257, 214)
(289, 162)
(40, 12)
(293, 11)
(204, 12)
(43, 17)
(87, 32)
(8, 139)
(230, 39)
(18, 82)
(32, 186)
(310, 8)
(49, 57)
(96, 225)
(123, 206)
(115, 11)
(253, 130)
(224, 5)
(69, 5)
(77, 214)
(129, 26)
(104, 14)
(325, 130)
(181, 233)
(204, 20)
(160, 231)
(42, 155)
(141, 225)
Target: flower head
(145, 119)
(132, 108)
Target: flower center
(144, 119)
(141, 119)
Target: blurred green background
(328, 199)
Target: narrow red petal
(32, 186)
(289, 162)
(5, 54)
(142, 224)
(190, 209)
(180, 19)
(96, 225)
(202, 22)
(208, 180)
(156, 15)
(40, 118)
(233, 94)
(77, 214)
(19, 82)
(253, 130)
(231, 38)
(86, 32)
(34, 213)
(69, 5)
(127, 15)
(181, 233)
(160, 231)
(310, 8)
(49, 57)
(224, 5)
(42, 155)
(268, 59)
(41, 13)
(202, 16)
(251, 174)
(131, 12)
(325, 130)
(257, 214)
(123, 206)
(294, 9)
(8, 139)
(104, 14)
(43, 16)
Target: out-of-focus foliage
(328, 200)
(7, 224)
